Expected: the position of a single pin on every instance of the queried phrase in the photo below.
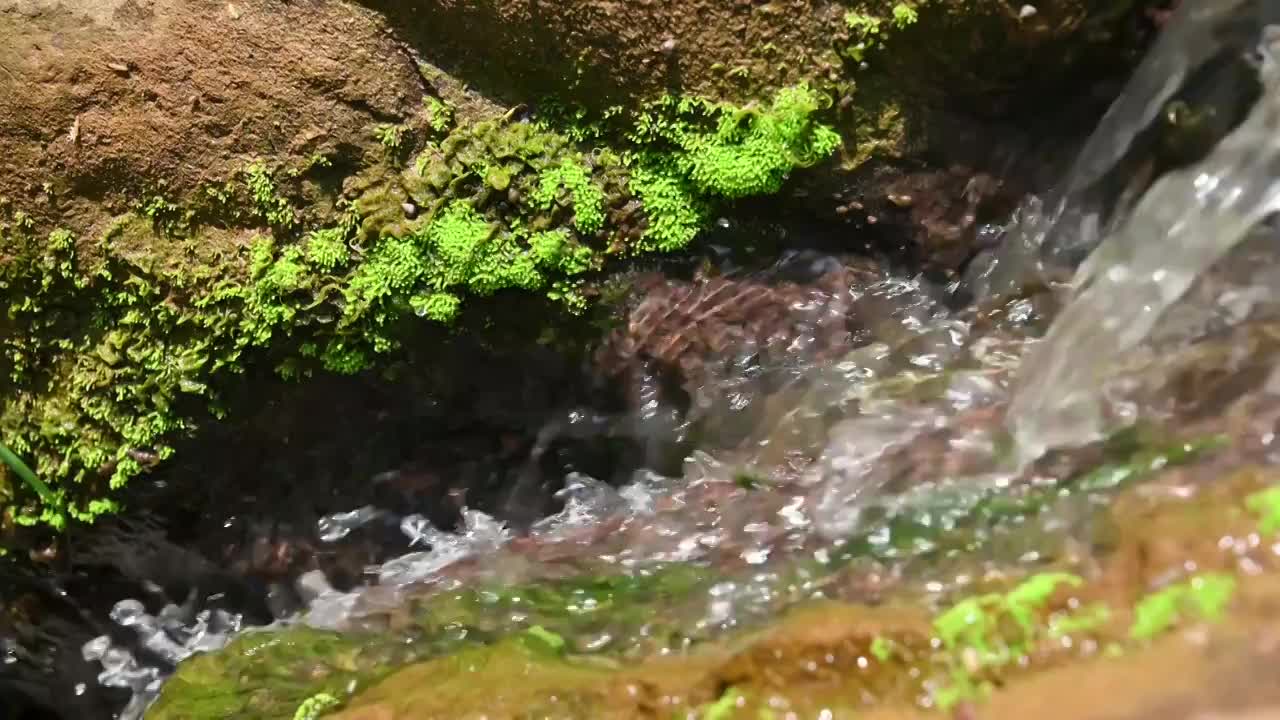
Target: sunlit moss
(700, 152)
(274, 209)
(1265, 504)
(315, 706)
(327, 249)
(439, 114)
(123, 350)
(977, 637)
(1203, 597)
(389, 136)
(588, 200)
(752, 152)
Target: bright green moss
(751, 153)
(441, 307)
(119, 358)
(675, 214)
(315, 706)
(389, 136)
(344, 358)
(1204, 597)
(470, 252)
(553, 250)
(1265, 504)
(327, 249)
(702, 153)
(904, 15)
(262, 188)
(393, 267)
(439, 114)
(459, 237)
(870, 32)
(588, 200)
(977, 632)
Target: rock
(249, 170)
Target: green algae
(962, 519)
(552, 641)
(882, 648)
(262, 673)
(634, 607)
(277, 674)
(511, 678)
(978, 644)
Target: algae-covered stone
(178, 211)
(101, 394)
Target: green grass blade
(24, 472)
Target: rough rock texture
(190, 191)
(603, 52)
(109, 102)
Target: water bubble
(127, 612)
(334, 527)
(95, 648)
(115, 659)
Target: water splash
(333, 528)
(1083, 209)
(172, 635)
(481, 534)
(1185, 223)
(587, 503)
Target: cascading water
(1083, 208)
(875, 454)
(1183, 224)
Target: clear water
(1077, 214)
(1182, 226)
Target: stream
(827, 428)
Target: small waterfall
(1085, 207)
(1184, 223)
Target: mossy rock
(999, 642)
(308, 213)
(101, 393)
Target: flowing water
(912, 459)
(1183, 224)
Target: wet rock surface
(778, 493)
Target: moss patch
(125, 339)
